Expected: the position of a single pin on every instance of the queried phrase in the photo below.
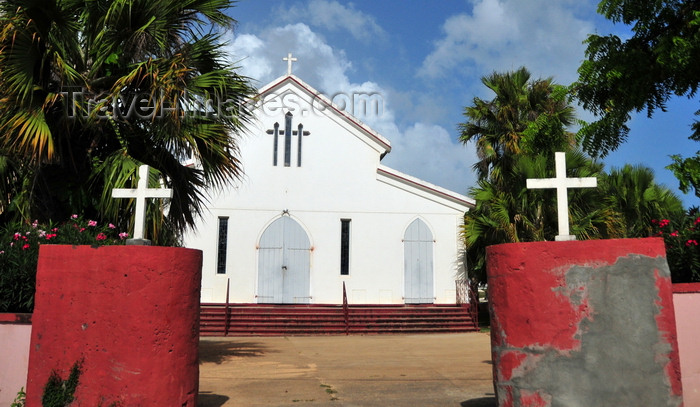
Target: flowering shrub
(682, 238)
(19, 253)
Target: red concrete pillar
(587, 323)
(129, 313)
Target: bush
(682, 239)
(19, 253)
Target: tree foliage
(618, 77)
(514, 146)
(89, 90)
(633, 193)
(516, 134)
(524, 115)
(511, 213)
(622, 77)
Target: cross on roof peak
(562, 184)
(289, 60)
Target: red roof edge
(450, 195)
(316, 94)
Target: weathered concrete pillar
(583, 323)
(130, 314)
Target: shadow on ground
(207, 399)
(217, 351)
(480, 402)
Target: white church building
(316, 208)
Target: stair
(289, 320)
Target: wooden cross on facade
(289, 60)
(562, 184)
(140, 194)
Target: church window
(300, 132)
(344, 247)
(288, 133)
(276, 141)
(287, 139)
(222, 246)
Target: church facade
(316, 208)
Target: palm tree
(89, 90)
(516, 134)
(639, 200)
(524, 116)
(516, 214)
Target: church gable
(291, 94)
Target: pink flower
(16, 237)
(111, 226)
(101, 236)
(54, 230)
(50, 235)
(2, 252)
(675, 234)
(82, 229)
(691, 242)
(26, 246)
(35, 224)
(92, 223)
(123, 235)
(664, 223)
(74, 216)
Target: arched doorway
(283, 263)
(418, 263)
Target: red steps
(282, 320)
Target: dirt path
(387, 370)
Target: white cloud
(261, 55)
(500, 35)
(423, 149)
(246, 52)
(334, 16)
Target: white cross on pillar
(140, 194)
(562, 184)
(289, 60)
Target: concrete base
(587, 323)
(129, 313)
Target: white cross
(289, 60)
(562, 184)
(140, 194)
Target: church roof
(408, 181)
(327, 103)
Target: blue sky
(425, 59)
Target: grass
(331, 391)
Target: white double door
(283, 264)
